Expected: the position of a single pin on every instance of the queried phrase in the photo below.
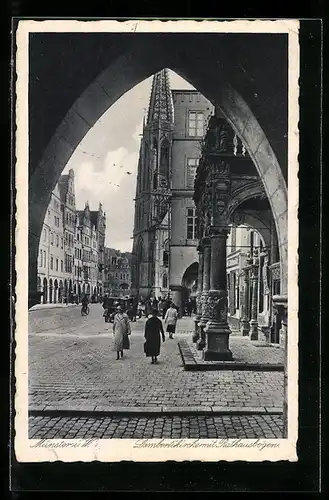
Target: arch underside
(120, 76)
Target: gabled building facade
(117, 272)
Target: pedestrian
(160, 308)
(165, 308)
(189, 307)
(155, 303)
(121, 330)
(171, 320)
(130, 312)
(148, 308)
(153, 329)
(142, 309)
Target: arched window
(165, 261)
(165, 281)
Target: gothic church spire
(160, 108)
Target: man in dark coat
(153, 329)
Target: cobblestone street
(242, 426)
(72, 367)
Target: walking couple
(153, 330)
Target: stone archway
(254, 221)
(189, 282)
(122, 75)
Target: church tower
(153, 192)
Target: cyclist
(85, 303)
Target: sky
(105, 162)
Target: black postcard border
(301, 476)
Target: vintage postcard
(156, 313)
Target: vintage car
(111, 303)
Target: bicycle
(85, 310)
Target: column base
(245, 327)
(253, 330)
(217, 344)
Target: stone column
(245, 326)
(254, 301)
(196, 335)
(205, 289)
(217, 329)
(280, 304)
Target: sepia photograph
(156, 243)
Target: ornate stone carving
(275, 271)
(216, 305)
(198, 300)
(239, 218)
(265, 275)
(203, 301)
(223, 138)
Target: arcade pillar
(217, 329)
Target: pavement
(247, 355)
(74, 378)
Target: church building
(165, 259)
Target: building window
(44, 259)
(62, 266)
(192, 164)
(196, 124)
(51, 262)
(40, 260)
(191, 224)
(114, 261)
(56, 264)
(44, 234)
(165, 258)
(57, 240)
(62, 241)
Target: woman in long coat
(121, 330)
(153, 329)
